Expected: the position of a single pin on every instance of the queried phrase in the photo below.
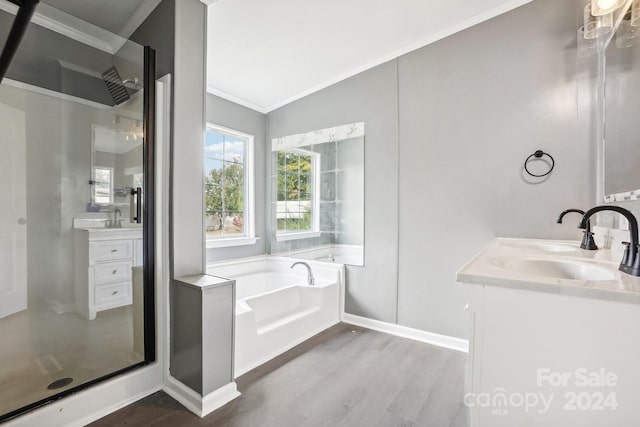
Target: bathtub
(275, 308)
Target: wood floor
(345, 376)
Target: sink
(557, 269)
(546, 246)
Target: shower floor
(40, 346)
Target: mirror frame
(601, 112)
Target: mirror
(116, 157)
(318, 195)
(621, 133)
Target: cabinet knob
(114, 293)
(22, 221)
(114, 271)
(114, 250)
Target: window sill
(294, 236)
(226, 243)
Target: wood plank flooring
(345, 376)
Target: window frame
(282, 236)
(95, 185)
(249, 236)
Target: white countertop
(488, 268)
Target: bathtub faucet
(310, 280)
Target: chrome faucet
(587, 236)
(630, 263)
(310, 280)
(115, 222)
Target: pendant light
(605, 7)
(635, 13)
(595, 26)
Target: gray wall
(158, 32)
(371, 290)
(448, 127)
(472, 108)
(58, 161)
(38, 62)
(187, 161)
(228, 114)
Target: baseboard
(201, 406)
(445, 341)
(61, 308)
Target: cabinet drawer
(111, 250)
(109, 272)
(113, 294)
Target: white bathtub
(275, 308)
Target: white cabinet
(551, 346)
(104, 259)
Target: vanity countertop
(500, 264)
(97, 233)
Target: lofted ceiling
(265, 54)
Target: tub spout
(310, 279)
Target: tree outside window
(225, 184)
(295, 195)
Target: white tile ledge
(293, 236)
(226, 243)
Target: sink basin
(557, 269)
(546, 246)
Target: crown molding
(237, 100)
(82, 31)
(137, 18)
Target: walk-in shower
(76, 212)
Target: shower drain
(62, 382)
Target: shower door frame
(148, 229)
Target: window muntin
(227, 186)
(297, 198)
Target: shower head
(133, 83)
(115, 85)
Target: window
(297, 204)
(102, 185)
(228, 187)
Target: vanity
(553, 336)
(104, 260)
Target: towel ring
(538, 154)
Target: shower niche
(317, 187)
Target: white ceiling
(121, 17)
(265, 54)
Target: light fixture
(605, 7)
(635, 13)
(595, 26)
(627, 34)
(586, 47)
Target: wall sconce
(627, 34)
(605, 7)
(635, 13)
(586, 47)
(595, 26)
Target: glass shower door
(76, 258)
